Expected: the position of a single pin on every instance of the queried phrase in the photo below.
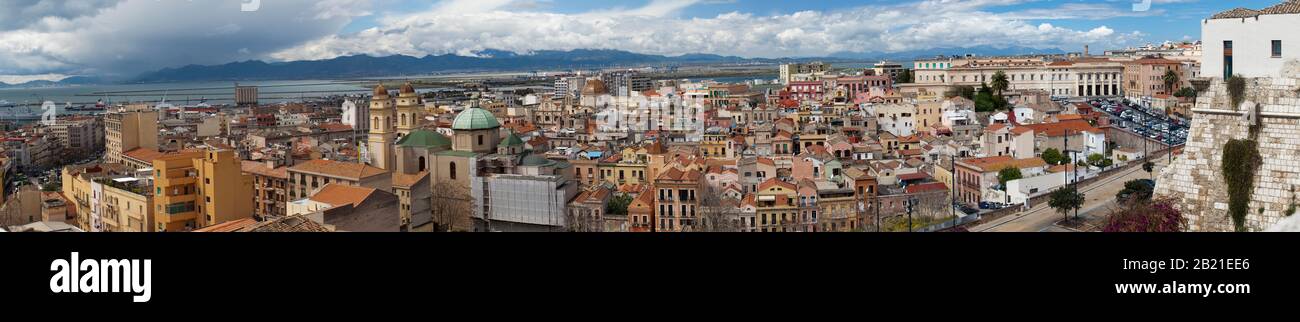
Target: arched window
(421, 164)
(451, 169)
(375, 124)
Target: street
(1100, 197)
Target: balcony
(180, 208)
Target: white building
(1252, 43)
(1089, 77)
(897, 119)
(356, 117)
(797, 72)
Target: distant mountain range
(908, 56)
(492, 60)
(74, 80)
(367, 66)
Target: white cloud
(656, 29)
(129, 36)
(21, 13)
(139, 35)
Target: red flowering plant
(1158, 216)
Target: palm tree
(1171, 79)
(1000, 82)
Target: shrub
(1240, 161)
(1144, 217)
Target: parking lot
(1144, 121)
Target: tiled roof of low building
(260, 168)
(1288, 7)
(338, 194)
(354, 171)
(408, 180)
(1236, 13)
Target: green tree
(1000, 82)
(1065, 200)
(1171, 80)
(1106, 163)
(618, 205)
(987, 101)
(965, 91)
(1135, 190)
(1095, 159)
(1148, 167)
(1186, 92)
(904, 77)
(1053, 156)
(1009, 174)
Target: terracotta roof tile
(992, 164)
(259, 168)
(353, 171)
(335, 127)
(926, 187)
(337, 194)
(229, 226)
(408, 180)
(1235, 13)
(774, 182)
(1289, 7)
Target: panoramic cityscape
(649, 116)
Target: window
(451, 170)
(1277, 49)
(480, 139)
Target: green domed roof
(475, 119)
(533, 160)
(512, 140)
(424, 139)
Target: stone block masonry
(1195, 180)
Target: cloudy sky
(50, 39)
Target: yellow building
(126, 205)
(199, 189)
(306, 178)
(107, 197)
(383, 133)
(714, 144)
(621, 173)
(134, 127)
(928, 115)
(776, 206)
(409, 111)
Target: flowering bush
(1152, 217)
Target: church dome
(594, 87)
(533, 160)
(512, 140)
(407, 88)
(475, 118)
(380, 90)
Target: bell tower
(408, 110)
(382, 132)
